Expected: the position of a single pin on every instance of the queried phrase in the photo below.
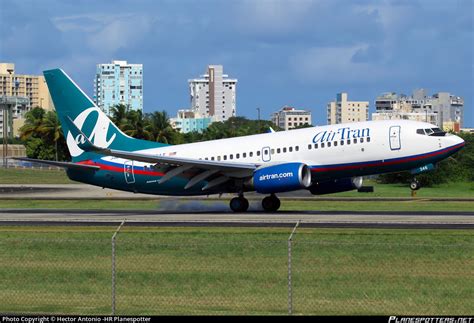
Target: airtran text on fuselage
(340, 134)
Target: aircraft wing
(220, 172)
(58, 164)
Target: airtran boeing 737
(325, 159)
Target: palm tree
(160, 128)
(136, 125)
(33, 121)
(51, 129)
(120, 115)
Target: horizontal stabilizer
(59, 164)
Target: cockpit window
(437, 132)
(431, 132)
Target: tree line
(43, 139)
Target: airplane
(322, 160)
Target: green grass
(33, 176)
(236, 271)
(458, 190)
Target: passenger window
(251, 154)
(244, 155)
(290, 149)
(329, 144)
(218, 158)
(225, 157)
(237, 156)
(273, 151)
(212, 158)
(310, 146)
(278, 150)
(348, 141)
(355, 140)
(315, 146)
(342, 142)
(231, 156)
(284, 149)
(206, 158)
(368, 139)
(258, 153)
(361, 140)
(265, 152)
(322, 145)
(335, 143)
(297, 148)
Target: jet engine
(281, 178)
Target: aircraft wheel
(239, 204)
(415, 185)
(271, 203)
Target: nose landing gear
(415, 185)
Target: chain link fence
(145, 271)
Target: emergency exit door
(395, 142)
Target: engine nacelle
(336, 186)
(281, 178)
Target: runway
(408, 220)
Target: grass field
(67, 270)
(33, 176)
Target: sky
(299, 53)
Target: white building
(439, 109)
(118, 83)
(290, 117)
(214, 94)
(343, 111)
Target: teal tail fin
(71, 102)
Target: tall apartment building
(214, 94)
(290, 117)
(32, 87)
(343, 111)
(441, 109)
(118, 83)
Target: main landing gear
(241, 204)
(271, 203)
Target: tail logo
(98, 135)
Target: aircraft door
(128, 172)
(266, 156)
(395, 141)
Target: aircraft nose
(457, 140)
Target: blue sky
(298, 53)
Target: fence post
(113, 265)
(290, 282)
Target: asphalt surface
(413, 220)
(175, 211)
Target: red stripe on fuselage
(120, 169)
(392, 162)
